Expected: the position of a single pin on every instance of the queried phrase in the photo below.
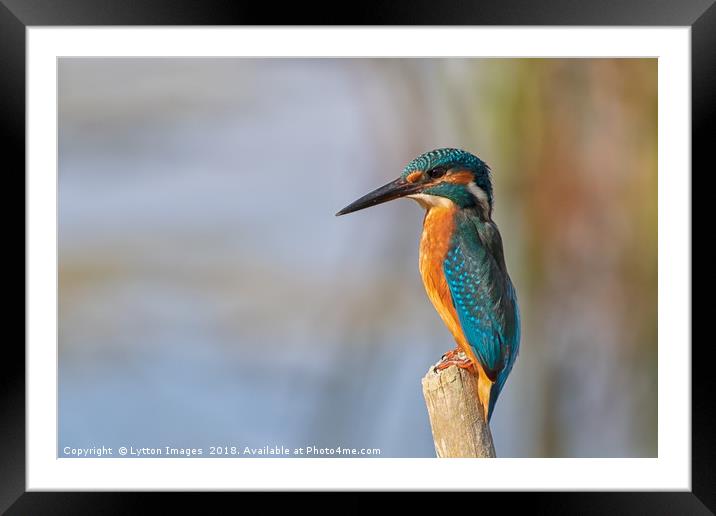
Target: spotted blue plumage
(483, 296)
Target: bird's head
(437, 178)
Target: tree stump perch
(456, 418)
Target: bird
(461, 262)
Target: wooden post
(459, 427)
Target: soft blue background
(208, 296)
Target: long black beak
(393, 190)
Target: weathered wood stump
(456, 418)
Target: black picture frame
(17, 15)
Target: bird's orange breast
(438, 228)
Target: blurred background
(209, 297)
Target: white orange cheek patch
(461, 178)
(414, 177)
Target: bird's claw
(456, 358)
(464, 363)
(449, 355)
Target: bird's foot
(451, 354)
(463, 363)
(456, 358)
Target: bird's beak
(393, 190)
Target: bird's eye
(436, 172)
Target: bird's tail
(512, 352)
(495, 392)
(499, 384)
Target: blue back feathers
(483, 296)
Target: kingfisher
(461, 262)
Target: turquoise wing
(484, 298)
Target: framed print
(198, 319)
